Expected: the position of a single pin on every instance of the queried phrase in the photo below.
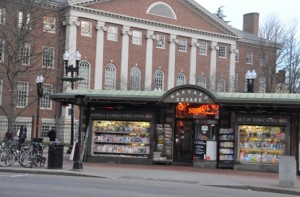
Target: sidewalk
(259, 181)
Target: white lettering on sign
(189, 96)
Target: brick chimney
(251, 23)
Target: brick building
(159, 46)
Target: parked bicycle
(10, 153)
(34, 156)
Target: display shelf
(226, 148)
(121, 138)
(261, 144)
(163, 144)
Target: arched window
(159, 80)
(201, 81)
(221, 85)
(180, 79)
(262, 85)
(110, 77)
(84, 72)
(161, 9)
(135, 79)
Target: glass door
(183, 146)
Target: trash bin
(55, 156)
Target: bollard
(287, 171)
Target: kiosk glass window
(261, 144)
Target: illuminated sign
(207, 109)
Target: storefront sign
(270, 120)
(200, 149)
(188, 96)
(121, 115)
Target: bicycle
(34, 156)
(10, 153)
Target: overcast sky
(287, 10)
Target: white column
(171, 68)
(233, 52)
(149, 59)
(99, 55)
(193, 59)
(213, 64)
(124, 58)
(71, 36)
(71, 24)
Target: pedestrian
(52, 135)
(22, 134)
(9, 136)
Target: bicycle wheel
(6, 158)
(26, 159)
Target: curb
(259, 189)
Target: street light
(39, 84)
(250, 76)
(73, 78)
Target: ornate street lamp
(250, 76)
(71, 78)
(39, 84)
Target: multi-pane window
(159, 80)
(222, 51)
(2, 45)
(182, 45)
(49, 24)
(160, 41)
(203, 48)
(221, 85)
(110, 77)
(112, 33)
(249, 58)
(262, 85)
(86, 28)
(135, 79)
(263, 60)
(25, 54)
(180, 79)
(22, 94)
(201, 81)
(45, 127)
(2, 16)
(237, 57)
(136, 37)
(84, 72)
(1, 91)
(24, 20)
(236, 81)
(48, 57)
(45, 102)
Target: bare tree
(22, 36)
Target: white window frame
(48, 56)
(249, 58)
(159, 80)
(236, 81)
(222, 51)
(110, 77)
(237, 57)
(201, 81)
(137, 37)
(2, 15)
(135, 78)
(262, 85)
(84, 72)
(182, 45)
(160, 41)
(180, 79)
(202, 48)
(27, 23)
(2, 50)
(112, 33)
(22, 94)
(221, 85)
(1, 91)
(25, 54)
(45, 102)
(263, 60)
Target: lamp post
(39, 84)
(250, 76)
(73, 78)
